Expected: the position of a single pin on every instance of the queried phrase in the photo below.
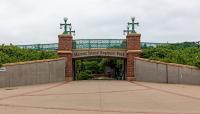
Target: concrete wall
(33, 72)
(155, 71)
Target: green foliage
(12, 54)
(182, 53)
(85, 69)
(92, 66)
(85, 75)
(197, 64)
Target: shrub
(197, 64)
(11, 54)
(185, 53)
(84, 75)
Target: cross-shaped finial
(132, 24)
(66, 26)
(71, 31)
(127, 31)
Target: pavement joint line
(100, 100)
(170, 92)
(87, 92)
(91, 110)
(30, 92)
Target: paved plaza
(101, 97)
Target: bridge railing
(99, 43)
(52, 46)
(88, 44)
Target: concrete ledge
(65, 52)
(134, 51)
(161, 72)
(31, 62)
(172, 64)
(33, 72)
(64, 35)
(134, 35)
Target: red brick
(65, 45)
(65, 42)
(133, 43)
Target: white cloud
(37, 21)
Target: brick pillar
(133, 50)
(65, 50)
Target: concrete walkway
(101, 97)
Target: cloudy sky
(37, 21)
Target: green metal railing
(52, 46)
(99, 43)
(88, 44)
(151, 44)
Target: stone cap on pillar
(64, 52)
(65, 36)
(133, 35)
(134, 51)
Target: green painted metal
(80, 44)
(99, 43)
(131, 26)
(66, 27)
(52, 46)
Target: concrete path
(101, 97)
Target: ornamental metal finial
(132, 24)
(71, 31)
(127, 31)
(66, 27)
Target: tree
(181, 53)
(11, 54)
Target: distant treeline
(187, 53)
(12, 54)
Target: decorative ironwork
(99, 43)
(78, 44)
(127, 31)
(66, 27)
(52, 46)
(132, 24)
(71, 31)
(150, 44)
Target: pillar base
(130, 78)
(68, 79)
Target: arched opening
(99, 68)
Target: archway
(89, 48)
(84, 48)
(95, 68)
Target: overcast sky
(37, 21)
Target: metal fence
(89, 44)
(52, 46)
(99, 43)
